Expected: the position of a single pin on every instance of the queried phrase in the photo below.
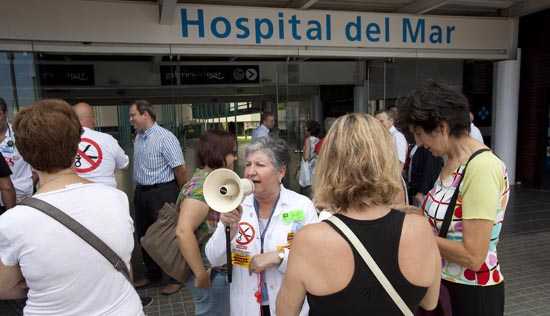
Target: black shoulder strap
(80, 231)
(450, 209)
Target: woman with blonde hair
(357, 178)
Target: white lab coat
(244, 286)
(21, 171)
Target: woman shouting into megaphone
(262, 229)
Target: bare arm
(419, 258)
(192, 214)
(181, 175)
(293, 292)
(307, 154)
(8, 192)
(429, 302)
(471, 252)
(12, 284)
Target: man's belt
(142, 187)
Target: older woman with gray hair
(262, 229)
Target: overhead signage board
(286, 27)
(210, 74)
(66, 75)
(212, 30)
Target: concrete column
(506, 76)
(360, 99)
(317, 109)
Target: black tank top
(364, 295)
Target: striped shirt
(259, 132)
(156, 153)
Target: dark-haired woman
(471, 271)
(210, 291)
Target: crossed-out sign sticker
(88, 156)
(246, 234)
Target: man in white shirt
(475, 133)
(267, 123)
(99, 154)
(401, 146)
(22, 176)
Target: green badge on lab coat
(293, 216)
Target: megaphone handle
(228, 252)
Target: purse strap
(405, 190)
(373, 266)
(450, 209)
(80, 231)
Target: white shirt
(247, 244)
(65, 275)
(475, 133)
(411, 155)
(400, 144)
(21, 171)
(260, 131)
(102, 157)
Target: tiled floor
(524, 252)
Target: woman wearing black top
(357, 178)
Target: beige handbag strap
(371, 264)
(405, 191)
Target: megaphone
(224, 190)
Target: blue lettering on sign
(242, 25)
(450, 30)
(214, 27)
(419, 30)
(260, 35)
(314, 31)
(185, 23)
(281, 25)
(353, 30)
(373, 32)
(415, 30)
(387, 27)
(294, 22)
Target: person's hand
(232, 219)
(259, 263)
(419, 199)
(202, 281)
(408, 209)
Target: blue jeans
(213, 301)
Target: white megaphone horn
(224, 190)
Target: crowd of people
(382, 227)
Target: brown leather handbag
(162, 245)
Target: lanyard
(257, 209)
(261, 278)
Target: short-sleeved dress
(193, 190)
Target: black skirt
(471, 300)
